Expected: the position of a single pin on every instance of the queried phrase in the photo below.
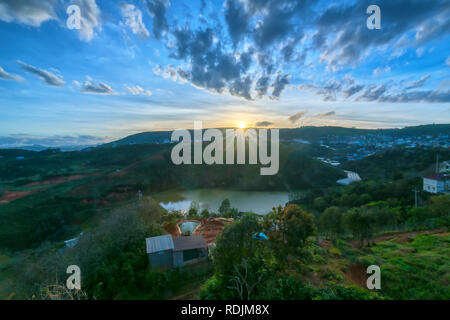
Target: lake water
(254, 201)
(188, 226)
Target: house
(436, 183)
(73, 242)
(170, 252)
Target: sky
(151, 65)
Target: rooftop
(160, 243)
(188, 243)
(166, 242)
(437, 176)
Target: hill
(310, 133)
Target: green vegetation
(318, 245)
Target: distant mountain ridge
(308, 133)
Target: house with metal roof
(167, 252)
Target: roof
(436, 176)
(188, 243)
(160, 243)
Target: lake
(260, 202)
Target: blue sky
(155, 65)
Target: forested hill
(307, 133)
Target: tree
(193, 209)
(440, 207)
(288, 228)
(331, 222)
(205, 214)
(225, 206)
(297, 226)
(246, 277)
(361, 223)
(235, 243)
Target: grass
(419, 269)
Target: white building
(351, 177)
(436, 183)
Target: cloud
(137, 90)
(48, 77)
(429, 96)
(24, 140)
(447, 62)
(263, 124)
(372, 93)
(133, 19)
(209, 67)
(90, 19)
(349, 40)
(380, 70)
(29, 12)
(279, 84)
(418, 83)
(100, 88)
(294, 118)
(8, 76)
(352, 90)
(157, 9)
(262, 85)
(237, 20)
(326, 114)
(330, 89)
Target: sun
(242, 125)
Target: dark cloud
(249, 51)
(352, 90)
(346, 26)
(262, 85)
(372, 93)
(279, 84)
(157, 9)
(101, 88)
(330, 89)
(9, 76)
(237, 20)
(294, 118)
(48, 77)
(326, 114)
(209, 65)
(241, 88)
(418, 83)
(263, 124)
(418, 96)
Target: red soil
(397, 237)
(9, 196)
(357, 275)
(58, 180)
(209, 229)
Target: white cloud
(90, 19)
(133, 19)
(380, 70)
(448, 61)
(137, 90)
